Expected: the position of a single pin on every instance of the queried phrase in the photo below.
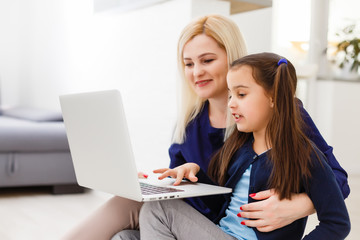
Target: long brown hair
(291, 149)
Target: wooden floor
(34, 213)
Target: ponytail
(291, 149)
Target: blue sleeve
(209, 206)
(322, 188)
(313, 133)
(176, 158)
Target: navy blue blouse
(202, 141)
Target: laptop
(102, 154)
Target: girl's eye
(242, 94)
(188, 64)
(208, 60)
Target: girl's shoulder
(244, 151)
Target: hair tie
(283, 60)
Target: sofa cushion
(18, 135)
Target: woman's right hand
(187, 170)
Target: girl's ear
(271, 102)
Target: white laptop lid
(101, 150)
(97, 140)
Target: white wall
(338, 117)
(53, 47)
(63, 47)
(9, 50)
(256, 27)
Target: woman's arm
(176, 158)
(271, 213)
(314, 135)
(322, 188)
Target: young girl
(269, 150)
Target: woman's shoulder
(199, 132)
(202, 117)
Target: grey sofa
(34, 151)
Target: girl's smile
(237, 117)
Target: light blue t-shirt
(231, 223)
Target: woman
(206, 47)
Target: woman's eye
(188, 64)
(208, 60)
(242, 94)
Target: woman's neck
(218, 112)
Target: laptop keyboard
(148, 189)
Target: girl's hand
(271, 213)
(187, 170)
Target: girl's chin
(242, 128)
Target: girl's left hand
(187, 170)
(271, 213)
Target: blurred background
(54, 47)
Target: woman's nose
(198, 70)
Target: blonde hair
(227, 34)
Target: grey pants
(175, 219)
(127, 235)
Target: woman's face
(206, 66)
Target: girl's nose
(231, 103)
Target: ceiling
(238, 6)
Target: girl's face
(248, 102)
(206, 66)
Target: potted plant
(348, 52)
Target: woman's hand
(271, 213)
(187, 170)
(142, 175)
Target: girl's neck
(260, 145)
(217, 112)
